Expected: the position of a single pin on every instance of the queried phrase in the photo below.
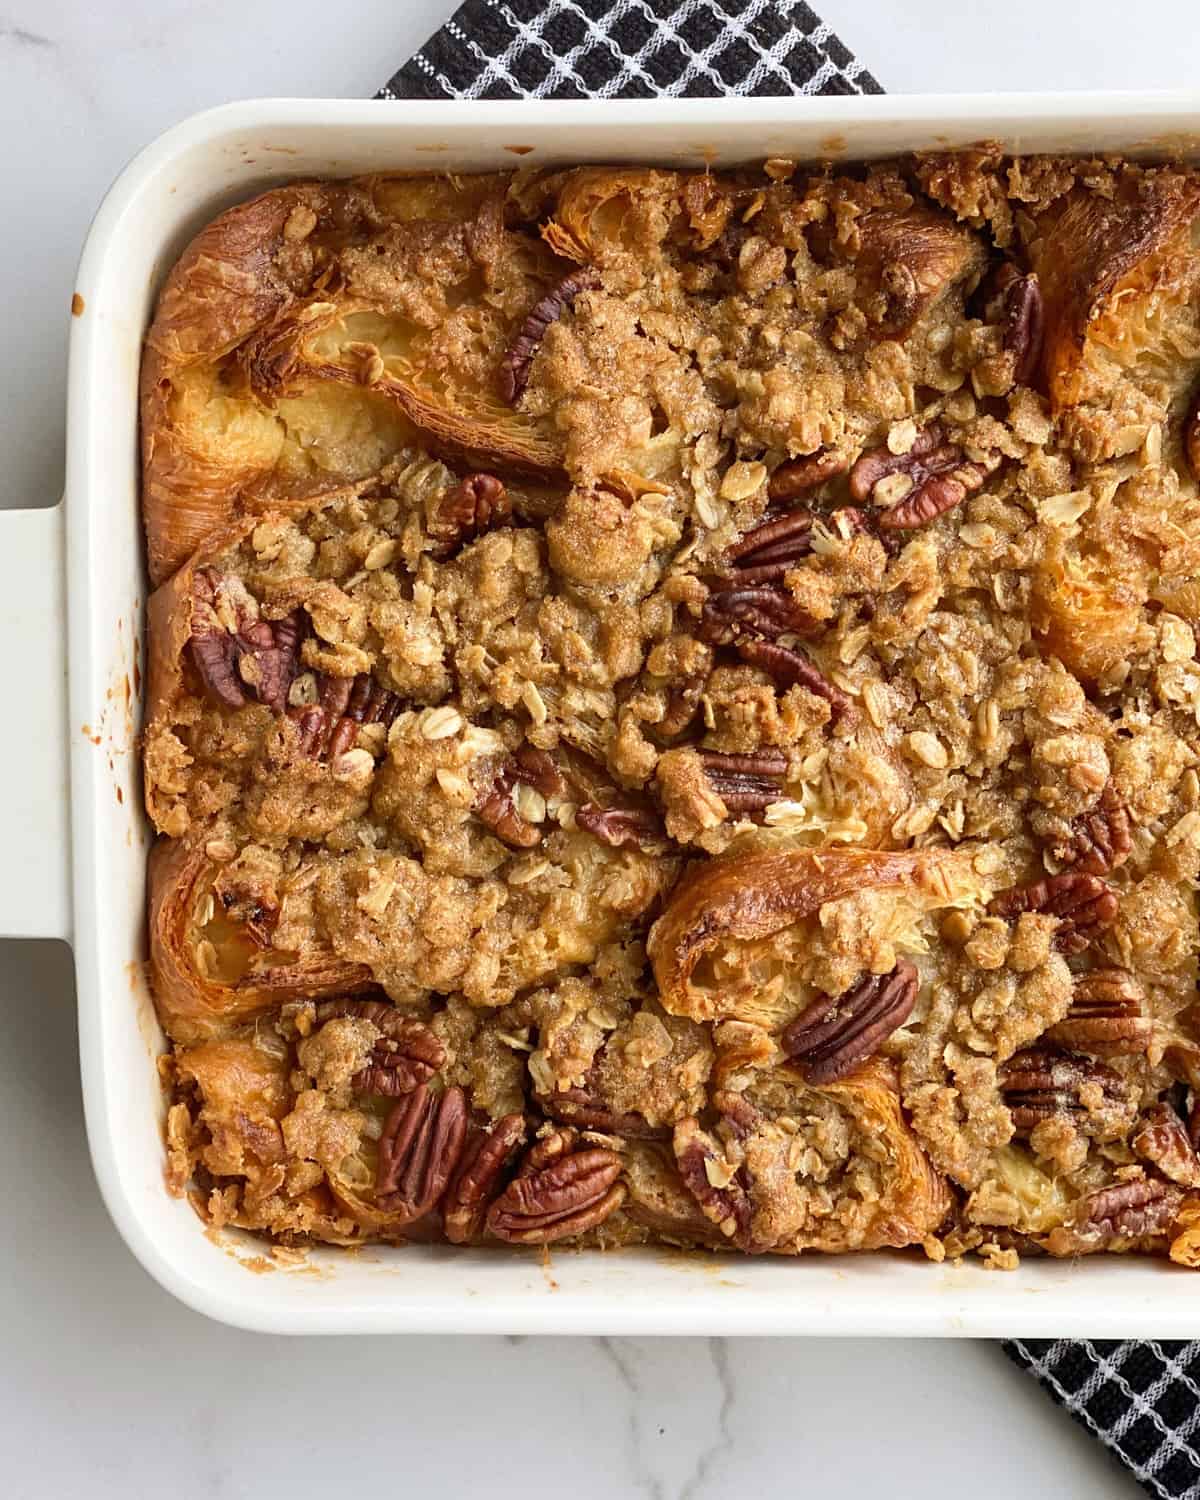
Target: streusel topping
(674, 708)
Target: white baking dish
(88, 552)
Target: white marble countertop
(109, 1387)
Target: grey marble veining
(688, 1384)
(21, 36)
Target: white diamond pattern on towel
(530, 35)
(1149, 1422)
(513, 49)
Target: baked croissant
(605, 214)
(790, 1168)
(907, 260)
(712, 947)
(257, 1151)
(281, 363)
(212, 959)
(1120, 279)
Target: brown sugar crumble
(673, 708)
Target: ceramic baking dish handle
(35, 848)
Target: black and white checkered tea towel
(1142, 1400)
(629, 49)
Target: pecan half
(1084, 905)
(406, 1055)
(475, 503)
(721, 1190)
(560, 1191)
(619, 827)
(335, 695)
(1191, 438)
(514, 367)
(1130, 1211)
(419, 1149)
(328, 728)
(915, 487)
(763, 611)
(584, 1108)
(311, 729)
(1163, 1139)
(752, 597)
(800, 475)
(212, 653)
(538, 769)
(368, 702)
(1106, 1016)
(478, 1176)
(236, 655)
(1014, 301)
(767, 551)
(1039, 1084)
(1101, 839)
(790, 668)
(275, 654)
(683, 699)
(745, 783)
(497, 810)
(832, 1036)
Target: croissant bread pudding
(674, 711)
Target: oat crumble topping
(674, 708)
